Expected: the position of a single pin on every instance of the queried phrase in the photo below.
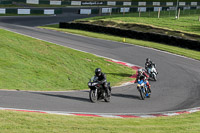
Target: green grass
(30, 64)
(186, 23)
(7, 5)
(176, 50)
(21, 122)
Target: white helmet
(140, 71)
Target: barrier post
(179, 10)
(139, 12)
(158, 12)
(177, 5)
(100, 10)
(109, 11)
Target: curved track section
(177, 87)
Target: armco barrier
(137, 9)
(5, 2)
(30, 11)
(11, 11)
(37, 11)
(45, 2)
(134, 3)
(32, 1)
(24, 1)
(160, 38)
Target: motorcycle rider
(143, 76)
(102, 79)
(153, 64)
(149, 64)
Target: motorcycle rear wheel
(93, 97)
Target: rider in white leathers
(149, 65)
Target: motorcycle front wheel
(107, 99)
(142, 94)
(93, 96)
(154, 77)
(149, 92)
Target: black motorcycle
(97, 91)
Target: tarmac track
(177, 87)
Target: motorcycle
(143, 89)
(97, 91)
(152, 73)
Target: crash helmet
(140, 71)
(98, 71)
(148, 60)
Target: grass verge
(172, 49)
(18, 122)
(31, 64)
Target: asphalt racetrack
(177, 87)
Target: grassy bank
(176, 50)
(18, 122)
(30, 64)
(187, 23)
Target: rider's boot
(107, 91)
(149, 89)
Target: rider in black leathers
(147, 64)
(102, 79)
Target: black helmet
(147, 60)
(98, 71)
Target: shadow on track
(64, 96)
(119, 74)
(126, 96)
